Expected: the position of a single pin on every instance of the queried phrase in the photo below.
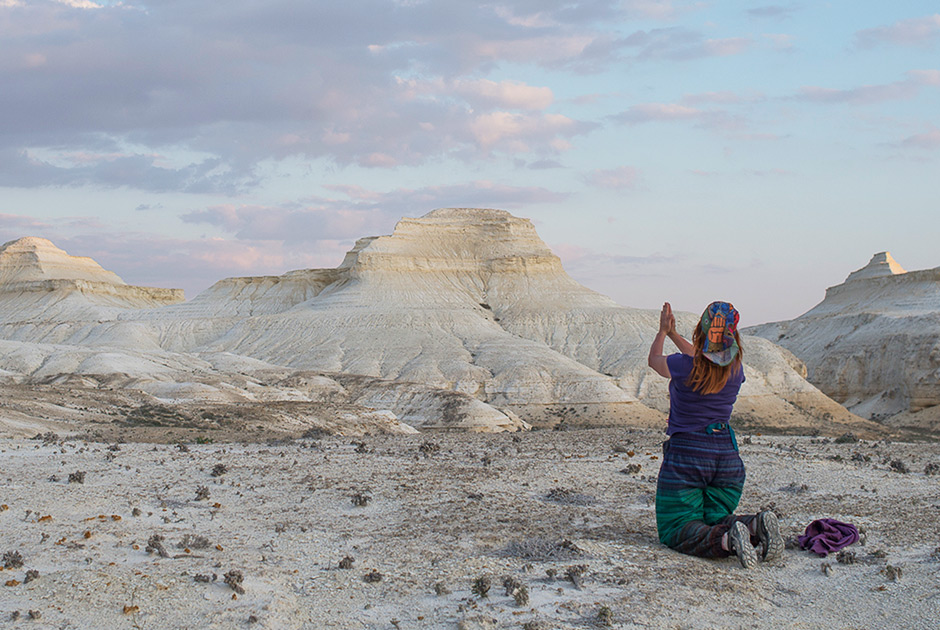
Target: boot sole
(769, 535)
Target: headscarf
(719, 323)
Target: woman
(702, 475)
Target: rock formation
(873, 343)
(461, 319)
(39, 281)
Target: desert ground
(529, 530)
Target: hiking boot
(739, 544)
(768, 531)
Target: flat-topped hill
(469, 303)
(33, 259)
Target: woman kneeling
(702, 475)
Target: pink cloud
(927, 140)
(378, 160)
(195, 264)
(569, 252)
(771, 172)
(509, 94)
(650, 112)
(15, 226)
(712, 119)
(480, 93)
(728, 46)
(656, 9)
(922, 31)
(869, 94)
(547, 49)
(291, 224)
(517, 132)
(725, 97)
(780, 41)
(615, 178)
(925, 77)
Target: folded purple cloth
(826, 535)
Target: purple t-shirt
(691, 411)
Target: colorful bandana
(719, 321)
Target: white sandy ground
(477, 505)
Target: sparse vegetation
(538, 548)
(481, 586)
(575, 574)
(155, 545)
(12, 560)
(569, 497)
(234, 579)
(898, 466)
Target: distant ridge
(461, 319)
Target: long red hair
(707, 377)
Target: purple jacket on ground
(826, 535)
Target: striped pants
(699, 486)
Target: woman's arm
(667, 325)
(684, 346)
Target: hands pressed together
(667, 321)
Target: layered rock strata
(461, 319)
(873, 343)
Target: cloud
(679, 44)
(727, 46)
(655, 112)
(195, 264)
(16, 226)
(476, 194)
(79, 4)
(246, 82)
(711, 119)
(870, 94)
(359, 211)
(190, 264)
(929, 139)
(290, 225)
(586, 263)
(780, 41)
(540, 165)
(22, 169)
(773, 172)
(724, 97)
(523, 133)
(920, 32)
(653, 9)
(774, 11)
(481, 93)
(508, 94)
(624, 177)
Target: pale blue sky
(751, 151)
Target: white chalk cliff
(460, 319)
(873, 343)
